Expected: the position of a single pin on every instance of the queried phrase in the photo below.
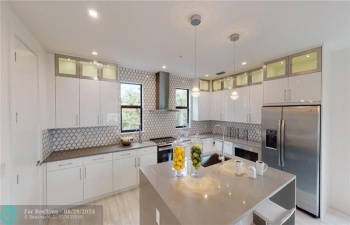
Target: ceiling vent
(220, 73)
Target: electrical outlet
(157, 217)
(79, 137)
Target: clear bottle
(178, 158)
(196, 154)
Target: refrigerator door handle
(282, 143)
(279, 142)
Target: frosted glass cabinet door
(305, 88)
(306, 62)
(241, 79)
(276, 69)
(89, 103)
(66, 66)
(255, 103)
(89, 69)
(217, 85)
(67, 102)
(275, 91)
(109, 103)
(204, 85)
(109, 71)
(242, 105)
(256, 76)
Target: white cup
(261, 167)
(239, 167)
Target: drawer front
(97, 158)
(148, 150)
(64, 164)
(124, 154)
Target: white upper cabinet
(67, 102)
(109, 103)
(242, 105)
(305, 89)
(275, 91)
(201, 107)
(89, 103)
(230, 106)
(217, 105)
(255, 103)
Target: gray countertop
(77, 153)
(256, 144)
(202, 200)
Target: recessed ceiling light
(164, 67)
(206, 75)
(244, 63)
(93, 13)
(94, 53)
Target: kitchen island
(218, 196)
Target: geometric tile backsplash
(155, 124)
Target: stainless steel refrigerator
(291, 139)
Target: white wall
(335, 173)
(11, 27)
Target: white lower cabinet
(97, 179)
(124, 169)
(207, 145)
(228, 146)
(64, 186)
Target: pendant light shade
(195, 92)
(234, 37)
(195, 21)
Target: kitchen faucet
(222, 157)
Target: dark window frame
(184, 107)
(131, 107)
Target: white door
(67, 102)
(216, 105)
(124, 173)
(65, 186)
(109, 103)
(275, 91)
(89, 103)
(230, 106)
(25, 136)
(255, 103)
(242, 105)
(305, 88)
(98, 179)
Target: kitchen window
(131, 106)
(182, 104)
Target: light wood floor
(123, 209)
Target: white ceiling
(147, 35)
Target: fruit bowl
(126, 141)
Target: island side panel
(285, 198)
(149, 202)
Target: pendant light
(234, 37)
(195, 21)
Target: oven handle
(164, 149)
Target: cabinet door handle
(135, 162)
(98, 119)
(98, 159)
(290, 94)
(80, 173)
(285, 94)
(16, 117)
(76, 120)
(85, 172)
(65, 164)
(139, 161)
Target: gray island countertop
(218, 196)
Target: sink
(210, 160)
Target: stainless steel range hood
(162, 93)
